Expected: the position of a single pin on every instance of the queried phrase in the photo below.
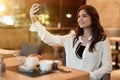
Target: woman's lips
(81, 23)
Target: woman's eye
(84, 15)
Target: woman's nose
(79, 19)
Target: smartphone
(41, 9)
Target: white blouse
(97, 63)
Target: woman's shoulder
(106, 40)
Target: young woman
(88, 49)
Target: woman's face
(84, 20)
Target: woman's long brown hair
(97, 30)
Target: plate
(33, 73)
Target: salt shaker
(2, 66)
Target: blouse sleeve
(106, 66)
(48, 37)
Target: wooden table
(57, 75)
(115, 38)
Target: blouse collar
(88, 38)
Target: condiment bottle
(55, 66)
(2, 66)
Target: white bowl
(31, 62)
(46, 65)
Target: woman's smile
(84, 20)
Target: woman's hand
(34, 8)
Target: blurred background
(59, 17)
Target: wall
(109, 11)
(13, 37)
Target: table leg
(117, 45)
(116, 57)
(116, 62)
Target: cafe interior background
(59, 17)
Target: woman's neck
(87, 33)
(85, 37)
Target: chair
(29, 48)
